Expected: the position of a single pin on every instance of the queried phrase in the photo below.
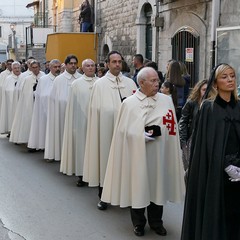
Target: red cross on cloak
(169, 121)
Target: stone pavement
(39, 203)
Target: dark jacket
(86, 14)
(188, 120)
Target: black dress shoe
(102, 205)
(139, 230)
(80, 182)
(32, 150)
(50, 160)
(160, 230)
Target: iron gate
(185, 48)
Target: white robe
(9, 103)
(103, 109)
(137, 172)
(3, 76)
(40, 108)
(56, 114)
(19, 85)
(75, 127)
(23, 115)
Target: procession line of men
(103, 131)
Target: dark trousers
(154, 215)
(100, 189)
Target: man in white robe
(3, 76)
(40, 108)
(19, 85)
(75, 127)
(8, 107)
(144, 167)
(23, 115)
(107, 94)
(57, 107)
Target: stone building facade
(160, 30)
(127, 26)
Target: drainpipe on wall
(43, 13)
(95, 14)
(157, 33)
(215, 18)
(95, 27)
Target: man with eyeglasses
(57, 107)
(107, 94)
(144, 166)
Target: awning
(32, 4)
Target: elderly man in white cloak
(23, 115)
(4, 75)
(107, 94)
(8, 108)
(40, 108)
(144, 167)
(75, 127)
(56, 109)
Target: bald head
(88, 67)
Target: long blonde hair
(195, 94)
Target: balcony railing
(41, 19)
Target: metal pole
(15, 44)
(43, 13)
(215, 18)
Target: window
(148, 15)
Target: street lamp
(12, 26)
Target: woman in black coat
(212, 204)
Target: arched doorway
(105, 51)
(185, 48)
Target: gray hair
(35, 62)
(143, 73)
(16, 63)
(54, 61)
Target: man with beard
(40, 108)
(57, 107)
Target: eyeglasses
(154, 81)
(72, 63)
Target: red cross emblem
(169, 121)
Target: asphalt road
(39, 203)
